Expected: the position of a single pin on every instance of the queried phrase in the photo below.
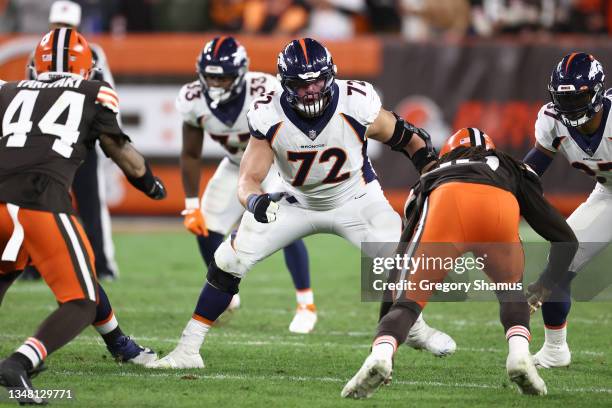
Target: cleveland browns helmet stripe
(63, 50)
(467, 137)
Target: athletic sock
(304, 298)
(518, 340)
(32, 350)
(555, 335)
(211, 304)
(296, 259)
(193, 335)
(105, 320)
(208, 245)
(384, 347)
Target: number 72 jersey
(323, 161)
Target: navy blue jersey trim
(229, 111)
(590, 143)
(315, 124)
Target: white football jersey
(323, 161)
(227, 124)
(593, 154)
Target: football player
(48, 125)
(217, 103)
(88, 186)
(577, 124)
(316, 133)
(472, 183)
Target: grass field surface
(254, 361)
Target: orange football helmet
(468, 137)
(63, 50)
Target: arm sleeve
(537, 160)
(549, 224)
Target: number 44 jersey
(323, 161)
(47, 127)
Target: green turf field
(254, 361)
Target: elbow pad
(402, 135)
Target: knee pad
(222, 280)
(228, 261)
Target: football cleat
(234, 304)
(14, 376)
(424, 337)
(177, 359)
(126, 350)
(374, 372)
(523, 373)
(304, 320)
(551, 356)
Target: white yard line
(224, 377)
(274, 341)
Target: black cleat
(14, 377)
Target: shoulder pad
(189, 102)
(544, 127)
(108, 98)
(263, 113)
(361, 101)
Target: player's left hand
(158, 192)
(536, 295)
(264, 207)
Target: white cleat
(423, 337)
(304, 320)
(146, 356)
(177, 359)
(374, 372)
(551, 356)
(523, 373)
(234, 304)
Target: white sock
(193, 336)
(108, 325)
(555, 336)
(518, 340)
(34, 350)
(384, 347)
(304, 297)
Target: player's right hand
(194, 222)
(158, 192)
(263, 207)
(537, 294)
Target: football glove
(158, 192)
(194, 219)
(537, 294)
(264, 207)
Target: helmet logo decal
(595, 69)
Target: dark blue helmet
(306, 71)
(576, 88)
(222, 57)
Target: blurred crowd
(327, 19)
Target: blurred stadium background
(442, 64)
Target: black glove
(263, 207)
(158, 192)
(537, 293)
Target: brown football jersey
(47, 127)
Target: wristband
(192, 203)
